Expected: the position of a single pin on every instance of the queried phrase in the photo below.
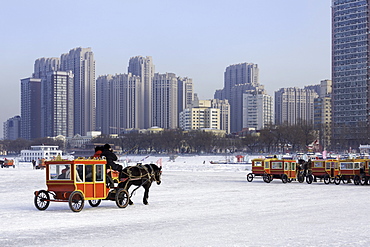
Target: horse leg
(146, 193)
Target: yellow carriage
(75, 181)
(270, 168)
(323, 169)
(352, 169)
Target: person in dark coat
(111, 157)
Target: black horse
(140, 175)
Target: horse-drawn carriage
(75, 181)
(322, 169)
(270, 168)
(353, 169)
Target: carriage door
(328, 168)
(267, 167)
(293, 170)
(99, 181)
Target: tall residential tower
(82, 64)
(350, 72)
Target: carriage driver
(111, 157)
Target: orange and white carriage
(270, 168)
(323, 169)
(75, 181)
(352, 169)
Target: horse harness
(146, 176)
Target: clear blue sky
(290, 40)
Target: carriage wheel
(337, 180)
(266, 178)
(122, 198)
(94, 203)
(76, 201)
(363, 180)
(284, 178)
(309, 179)
(326, 179)
(289, 180)
(344, 181)
(300, 178)
(331, 180)
(250, 177)
(42, 200)
(356, 180)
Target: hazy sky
(289, 39)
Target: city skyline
(193, 39)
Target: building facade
(185, 91)
(323, 114)
(242, 73)
(12, 128)
(57, 115)
(30, 108)
(293, 105)
(119, 103)
(257, 110)
(82, 64)
(239, 79)
(350, 73)
(144, 68)
(165, 101)
(224, 107)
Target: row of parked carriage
(328, 170)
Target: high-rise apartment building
(12, 128)
(224, 107)
(30, 108)
(57, 104)
(236, 104)
(322, 113)
(165, 103)
(118, 103)
(45, 65)
(350, 73)
(243, 73)
(82, 64)
(144, 68)
(185, 93)
(239, 79)
(257, 110)
(293, 105)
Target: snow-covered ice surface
(196, 205)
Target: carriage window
(327, 165)
(357, 165)
(99, 174)
(59, 171)
(88, 173)
(346, 165)
(277, 165)
(293, 166)
(79, 173)
(258, 163)
(286, 166)
(267, 164)
(317, 164)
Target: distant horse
(140, 175)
